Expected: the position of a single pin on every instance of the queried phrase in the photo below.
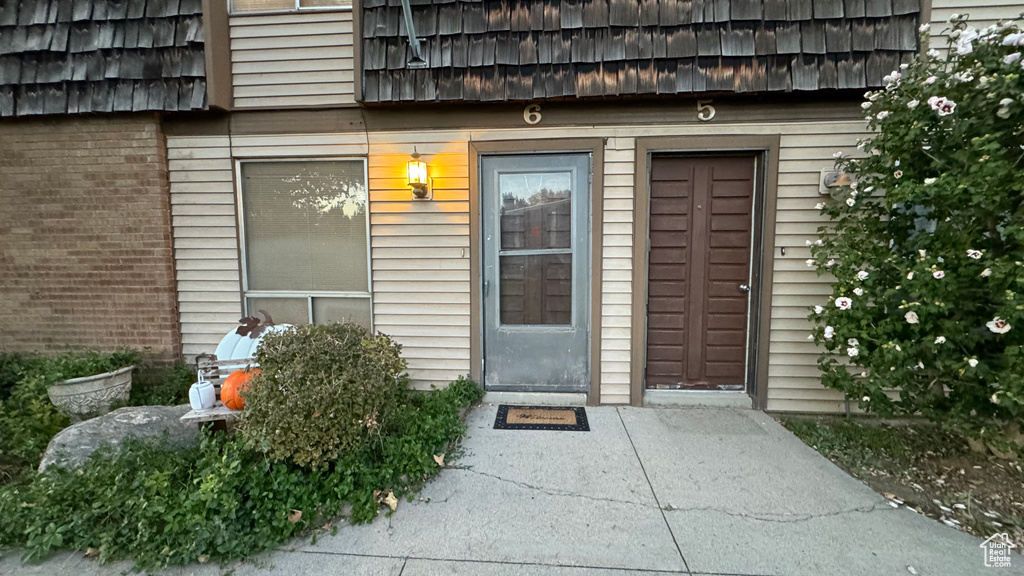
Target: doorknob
(744, 288)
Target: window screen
(306, 240)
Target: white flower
(1006, 101)
(866, 398)
(922, 253)
(844, 303)
(998, 325)
(819, 309)
(933, 53)
(858, 291)
(852, 342)
(1011, 58)
(898, 174)
(986, 272)
(851, 352)
(973, 362)
(862, 275)
(830, 263)
(924, 28)
(807, 243)
(944, 106)
(819, 205)
(938, 274)
(975, 254)
(940, 340)
(920, 365)
(930, 79)
(912, 317)
(810, 262)
(850, 202)
(910, 276)
(929, 181)
(995, 400)
(865, 105)
(829, 332)
(954, 18)
(965, 43)
(882, 115)
(1015, 39)
(913, 104)
(898, 349)
(838, 155)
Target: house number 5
(531, 114)
(705, 111)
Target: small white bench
(216, 371)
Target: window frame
(294, 10)
(309, 294)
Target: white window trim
(309, 295)
(297, 9)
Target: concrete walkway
(657, 491)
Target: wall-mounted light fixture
(418, 180)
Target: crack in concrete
(553, 491)
(785, 518)
(781, 518)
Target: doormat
(570, 419)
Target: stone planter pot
(91, 395)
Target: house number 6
(705, 111)
(532, 114)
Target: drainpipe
(417, 60)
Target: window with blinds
(306, 243)
(243, 6)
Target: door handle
(487, 288)
(744, 288)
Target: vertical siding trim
(768, 146)
(595, 146)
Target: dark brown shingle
(492, 50)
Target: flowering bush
(928, 292)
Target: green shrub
(927, 278)
(28, 420)
(323, 390)
(220, 501)
(157, 383)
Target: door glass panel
(536, 289)
(536, 210)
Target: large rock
(73, 445)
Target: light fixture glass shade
(417, 173)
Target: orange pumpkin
(233, 386)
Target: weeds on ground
(918, 465)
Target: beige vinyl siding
(420, 249)
(617, 270)
(295, 59)
(420, 252)
(205, 240)
(794, 382)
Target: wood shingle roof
(75, 56)
(501, 50)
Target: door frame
(766, 149)
(593, 146)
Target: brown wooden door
(699, 268)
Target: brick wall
(85, 238)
